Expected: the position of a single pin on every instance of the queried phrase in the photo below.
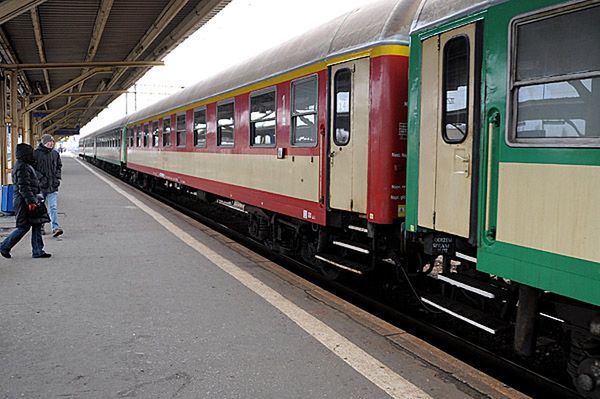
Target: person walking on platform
(49, 167)
(30, 211)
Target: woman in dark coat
(29, 212)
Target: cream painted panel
(108, 153)
(294, 176)
(348, 164)
(360, 129)
(454, 161)
(552, 208)
(428, 131)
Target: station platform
(139, 301)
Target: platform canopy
(71, 58)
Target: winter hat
(24, 152)
(46, 138)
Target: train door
(448, 111)
(348, 142)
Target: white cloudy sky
(243, 28)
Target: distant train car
(504, 158)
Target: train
(449, 142)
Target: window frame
(219, 104)
(335, 111)
(169, 135)
(443, 122)
(199, 109)
(146, 134)
(154, 133)
(513, 85)
(138, 138)
(292, 115)
(258, 93)
(177, 131)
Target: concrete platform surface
(139, 301)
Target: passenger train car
(484, 153)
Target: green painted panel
(567, 276)
(412, 164)
(571, 277)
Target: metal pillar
(14, 129)
(3, 143)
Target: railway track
(227, 221)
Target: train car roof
(385, 21)
(435, 12)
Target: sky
(242, 29)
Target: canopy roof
(94, 48)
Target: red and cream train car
(308, 135)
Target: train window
(342, 106)
(180, 129)
(556, 79)
(200, 127)
(455, 111)
(263, 114)
(154, 133)
(146, 135)
(304, 112)
(167, 132)
(225, 125)
(138, 136)
(130, 137)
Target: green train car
(504, 161)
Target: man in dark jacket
(28, 211)
(49, 167)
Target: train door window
(225, 125)
(304, 112)
(263, 114)
(342, 106)
(200, 127)
(455, 112)
(180, 129)
(154, 133)
(146, 135)
(167, 132)
(555, 79)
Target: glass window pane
(560, 45)
(456, 90)
(155, 134)
(167, 132)
(342, 106)
(304, 129)
(304, 96)
(138, 137)
(565, 110)
(180, 126)
(225, 125)
(200, 127)
(263, 119)
(146, 135)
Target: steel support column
(14, 126)
(3, 141)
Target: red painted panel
(387, 142)
(297, 208)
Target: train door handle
(464, 165)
